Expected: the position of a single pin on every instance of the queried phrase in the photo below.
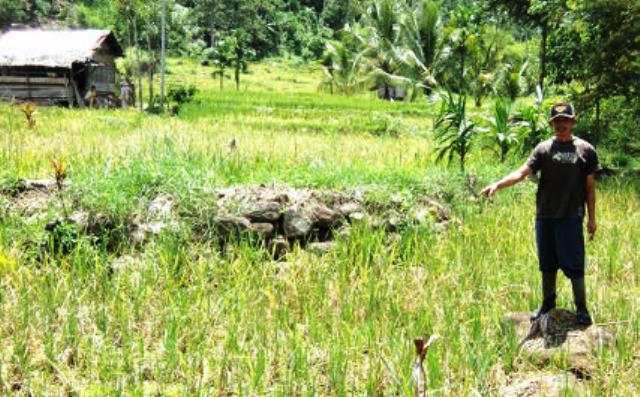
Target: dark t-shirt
(563, 166)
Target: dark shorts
(561, 246)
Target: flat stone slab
(557, 334)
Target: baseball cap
(562, 109)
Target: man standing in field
(567, 166)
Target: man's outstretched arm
(509, 180)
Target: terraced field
(88, 309)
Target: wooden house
(57, 66)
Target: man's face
(563, 125)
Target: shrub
(178, 95)
(454, 132)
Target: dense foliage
(585, 50)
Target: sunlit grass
(183, 318)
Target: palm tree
(341, 66)
(240, 52)
(415, 74)
(421, 31)
(381, 42)
(222, 55)
(485, 56)
(460, 38)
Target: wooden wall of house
(103, 76)
(39, 85)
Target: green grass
(185, 319)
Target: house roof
(54, 48)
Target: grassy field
(183, 318)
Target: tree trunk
(135, 40)
(543, 55)
(162, 49)
(237, 77)
(221, 78)
(151, 93)
(151, 71)
(462, 54)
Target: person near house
(567, 166)
(91, 97)
(126, 90)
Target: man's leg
(570, 240)
(548, 295)
(580, 299)
(548, 262)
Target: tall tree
(163, 25)
(129, 10)
(461, 35)
(382, 42)
(601, 50)
(341, 67)
(422, 30)
(542, 14)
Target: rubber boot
(548, 295)
(580, 299)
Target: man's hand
(507, 181)
(490, 190)
(591, 227)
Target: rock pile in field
(279, 216)
(283, 215)
(29, 198)
(557, 334)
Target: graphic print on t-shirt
(565, 157)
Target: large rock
(100, 224)
(227, 226)
(32, 203)
(324, 217)
(80, 218)
(160, 207)
(347, 209)
(393, 222)
(39, 184)
(557, 334)
(263, 230)
(296, 224)
(137, 234)
(266, 212)
(540, 384)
